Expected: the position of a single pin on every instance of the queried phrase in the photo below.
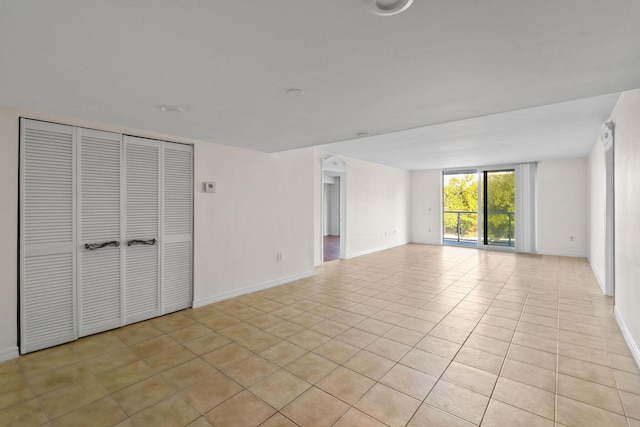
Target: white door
(177, 226)
(99, 264)
(47, 235)
(141, 224)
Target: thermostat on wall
(209, 187)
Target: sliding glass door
(498, 208)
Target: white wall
(562, 207)
(376, 209)
(597, 212)
(426, 207)
(262, 207)
(627, 216)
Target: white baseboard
(370, 251)
(567, 254)
(243, 291)
(9, 353)
(627, 336)
(601, 283)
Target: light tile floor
(416, 335)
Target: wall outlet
(209, 187)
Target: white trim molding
(627, 336)
(9, 353)
(378, 249)
(244, 291)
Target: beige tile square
(283, 353)
(390, 349)
(357, 337)
(627, 381)
(455, 335)
(345, 384)
(206, 343)
(587, 371)
(311, 367)
(142, 395)
(153, 346)
(502, 415)
(104, 412)
(494, 332)
(583, 353)
(486, 344)
(631, 403)
(259, 341)
(500, 322)
(470, 378)
(58, 378)
(166, 359)
(172, 322)
(278, 420)
(426, 362)
(525, 397)
(347, 318)
(388, 405)
(247, 313)
(355, 418)
(249, 371)
(10, 372)
(170, 412)
(529, 374)
(532, 356)
(264, 321)
(133, 334)
(573, 413)
(72, 397)
(280, 388)
(308, 339)
(238, 331)
(125, 376)
(369, 364)
(336, 351)
(210, 392)
(110, 361)
(188, 373)
(220, 321)
(285, 329)
(438, 346)
(409, 381)
(479, 359)
(307, 320)
(190, 333)
(428, 415)
(404, 335)
(458, 401)
(588, 392)
(95, 345)
(227, 355)
(200, 422)
(533, 341)
(26, 414)
(330, 328)
(315, 408)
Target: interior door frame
(335, 166)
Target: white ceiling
(448, 66)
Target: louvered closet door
(142, 220)
(47, 235)
(177, 225)
(99, 272)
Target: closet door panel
(99, 279)
(142, 215)
(177, 225)
(47, 235)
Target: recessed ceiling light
(362, 134)
(171, 108)
(388, 7)
(295, 92)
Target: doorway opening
(333, 209)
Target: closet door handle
(94, 246)
(141, 242)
